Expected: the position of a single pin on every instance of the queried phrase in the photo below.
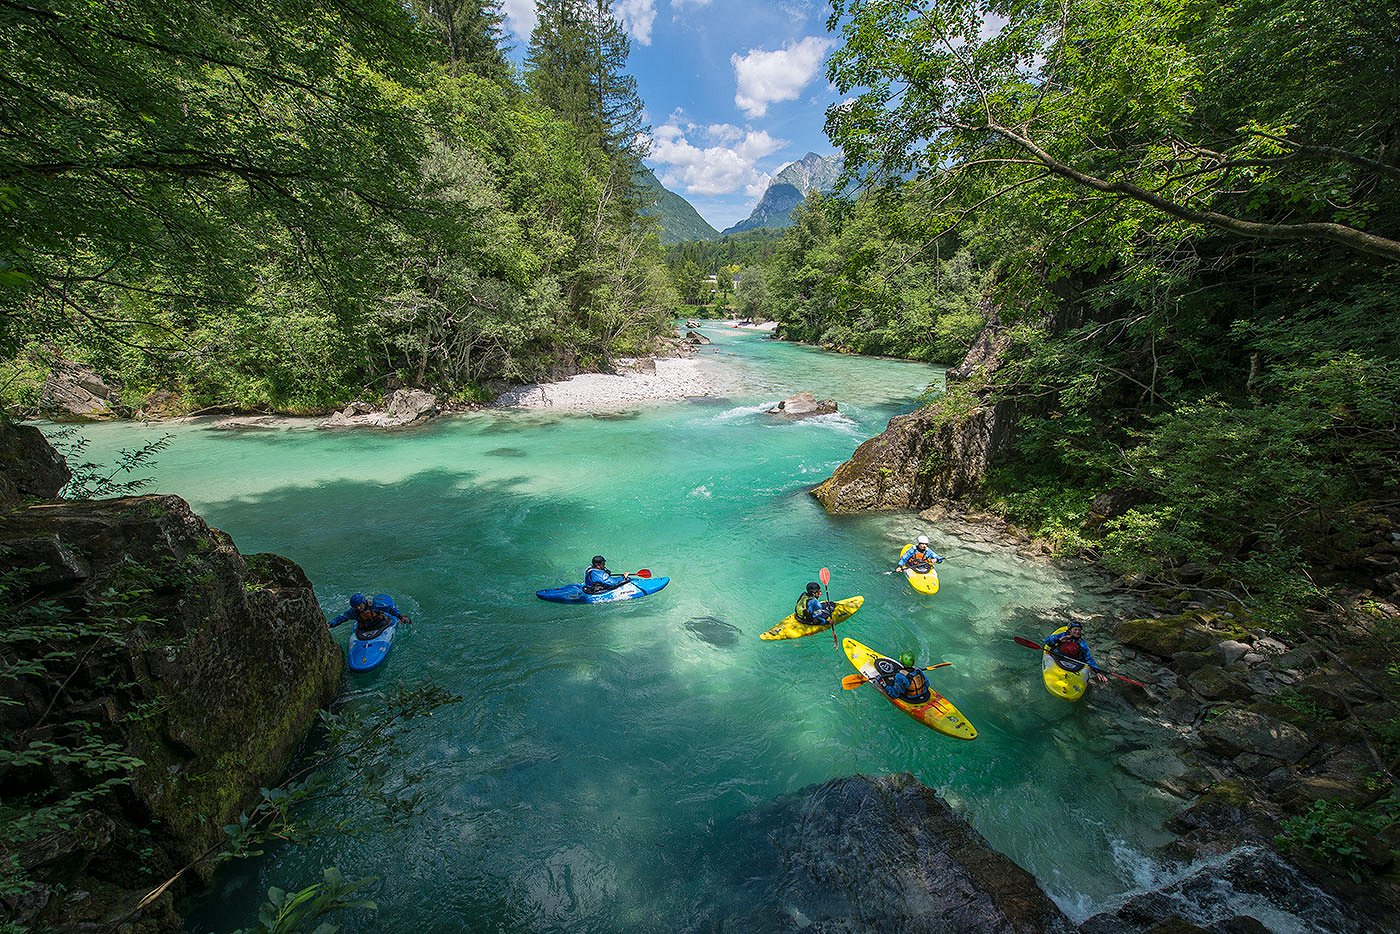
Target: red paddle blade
(824, 576)
(643, 573)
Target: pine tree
(471, 31)
(576, 64)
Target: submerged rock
(873, 854)
(803, 405)
(1247, 889)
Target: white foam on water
(701, 491)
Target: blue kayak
(634, 588)
(366, 654)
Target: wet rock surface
(873, 854)
(219, 664)
(803, 405)
(1245, 890)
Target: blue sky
(734, 90)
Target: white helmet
(923, 539)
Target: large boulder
(403, 408)
(212, 675)
(73, 390)
(29, 466)
(803, 405)
(919, 459)
(1235, 731)
(872, 854)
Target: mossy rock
(1227, 793)
(1166, 636)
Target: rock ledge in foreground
(870, 853)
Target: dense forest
(289, 205)
(1186, 221)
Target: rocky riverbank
(155, 679)
(1280, 741)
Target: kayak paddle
(851, 682)
(824, 575)
(643, 573)
(1021, 640)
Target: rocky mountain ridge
(789, 188)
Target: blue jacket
(1053, 643)
(817, 610)
(930, 555)
(350, 614)
(600, 577)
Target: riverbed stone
(803, 405)
(1236, 730)
(836, 857)
(1155, 766)
(1214, 683)
(1232, 651)
(403, 408)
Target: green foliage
(871, 277)
(1330, 833)
(99, 481)
(42, 648)
(294, 912)
(398, 210)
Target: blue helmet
(358, 599)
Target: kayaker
(919, 557)
(370, 616)
(811, 609)
(905, 681)
(598, 579)
(1071, 645)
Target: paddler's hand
(1100, 678)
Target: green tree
(471, 32)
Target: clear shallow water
(585, 780)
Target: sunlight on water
(586, 777)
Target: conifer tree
(471, 32)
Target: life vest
(919, 561)
(918, 685)
(591, 586)
(800, 611)
(1068, 646)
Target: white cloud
(758, 186)
(520, 16)
(766, 77)
(797, 10)
(712, 170)
(682, 4)
(723, 132)
(636, 16)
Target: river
(584, 780)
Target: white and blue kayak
(369, 653)
(634, 588)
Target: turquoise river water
(585, 779)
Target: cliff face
(926, 455)
(206, 665)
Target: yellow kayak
(937, 712)
(1059, 680)
(922, 581)
(791, 628)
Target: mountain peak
(790, 187)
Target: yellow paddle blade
(851, 682)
